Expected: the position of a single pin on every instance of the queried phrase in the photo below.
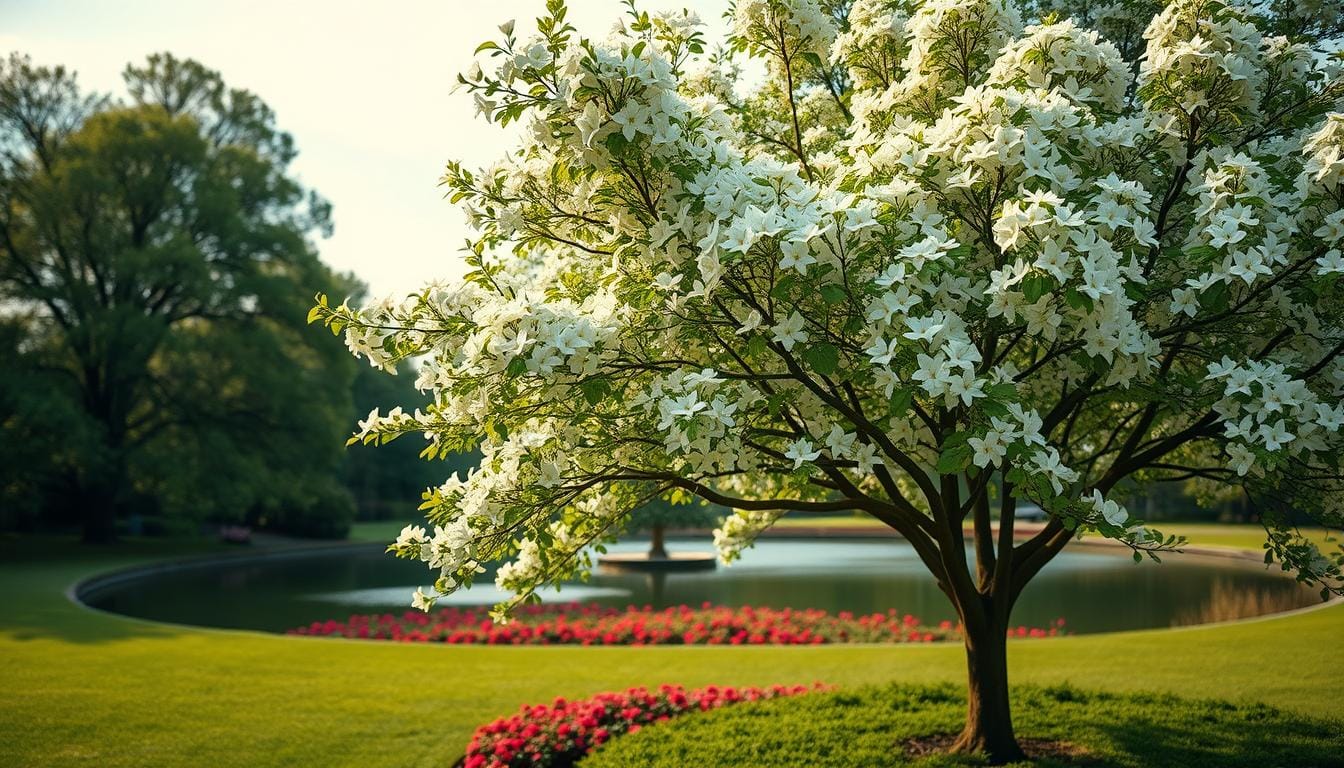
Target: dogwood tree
(943, 261)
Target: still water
(1094, 590)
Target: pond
(1094, 589)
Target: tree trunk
(989, 720)
(656, 549)
(98, 510)
(99, 492)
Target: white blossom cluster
(1268, 412)
(1017, 264)
(739, 531)
(784, 27)
(1202, 63)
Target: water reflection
(1227, 600)
(1094, 590)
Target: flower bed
(585, 624)
(560, 734)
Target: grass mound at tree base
(886, 726)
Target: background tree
(150, 253)
(388, 482)
(1021, 269)
(660, 514)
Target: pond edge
(82, 589)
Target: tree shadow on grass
(875, 726)
(38, 607)
(37, 576)
(1166, 730)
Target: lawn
(85, 688)
(897, 724)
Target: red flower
(586, 624)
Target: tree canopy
(152, 251)
(943, 261)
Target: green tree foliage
(388, 482)
(660, 514)
(155, 256)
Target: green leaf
(992, 407)
(1077, 299)
(823, 358)
(594, 389)
(1034, 286)
(757, 345)
(954, 459)
(314, 314)
(956, 439)
(901, 400)
(960, 252)
(1215, 297)
(834, 294)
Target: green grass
(869, 726)
(82, 688)
(1249, 536)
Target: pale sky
(364, 89)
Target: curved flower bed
(560, 734)
(585, 624)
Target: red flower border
(588, 624)
(560, 734)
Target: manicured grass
(1248, 536)
(869, 727)
(382, 530)
(85, 688)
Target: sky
(364, 88)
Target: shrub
(326, 515)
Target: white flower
(1240, 458)
(1184, 301)
(420, 601)
(796, 255)
(1331, 263)
(924, 328)
(369, 424)
(411, 536)
(964, 386)
(750, 323)
(801, 451)
(840, 443)
(989, 450)
(589, 123)
(790, 331)
(1274, 436)
(1224, 232)
(882, 351)
(1047, 462)
(1110, 511)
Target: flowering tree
(937, 265)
